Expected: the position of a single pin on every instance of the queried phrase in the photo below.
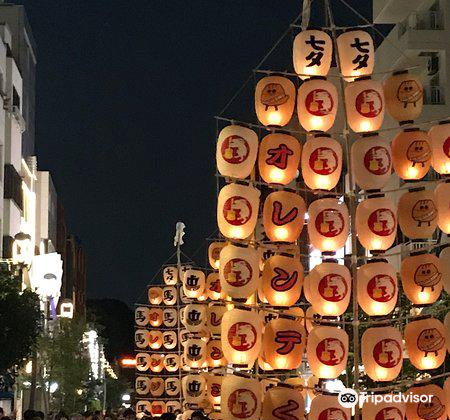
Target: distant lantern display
(404, 96)
(170, 317)
(421, 276)
(444, 262)
(321, 162)
(142, 362)
(156, 387)
(384, 410)
(327, 407)
(173, 406)
(236, 151)
(155, 317)
(170, 275)
(279, 158)
(283, 402)
(155, 339)
(214, 249)
(317, 104)
(195, 353)
(239, 271)
(283, 216)
(195, 317)
(237, 210)
(241, 398)
(328, 224)
(425, 409)
(284, 343)
(156, 362)
(382, 353)
(193, 283)
(213, 388)
(327, 351)
(425, 343)
(411, 154)
(312, 53)
(330, 288)
(214, 354)
(376, 223)
(169, 339)
(213, 287)
(417, 214)
(155, 295)
(214, 318)
(440, 147)
(274, 100)
(442, 201)
(141, 316)
(371, 162)
(282, 280)
(194, 388)
(170, 295)
(172, 362)
(142, 385)
(364, 101)
(141, 338)
(172, 386)
(241, 336)
(356, 54)
(377, 288)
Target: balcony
(422, 21)
(434, 95)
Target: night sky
(126, 95)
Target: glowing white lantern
(241, 398)
(440, 147)
(194, 283)
(328, 407)
(442, 201)
(170, 275)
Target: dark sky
(126, 95)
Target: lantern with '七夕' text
(282, 280)
(376, 223)
(283, 216)
(141, 316)
(377, 287)
(279, 158)
(327, 351)
(214, 318)
(195, 317)
(425, 342)
(142, 385)
(195, 353)
(214, 249)
(170, 275)
(169, 339)
(284, 342)
(155, 295)
(440, 147)
(364, 101)
(382, 353)
(172, 362)
(170, 295)
(283, 402)
(156, 362)
(371, 162)
(170, 317)
(312, 53)
(141, 338)
(213, 287)
(236, 151)
(194, 388)
(237, 210)
(442, 201)
(317, 104)
(214, 353)
(236, 390)
(172, 386)
(431, 407)
(328, 407)
(142, 362)
(391, 408)
(193, 283)
(356, 54)
(156, 387)
(213, 388)
(328, 224)
(321, 162)
(274, 100)
(241, 336)
(155, 339)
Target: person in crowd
(76, 416)
(87, 415)
(129, 414)
(28, 414)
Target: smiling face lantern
(435, 409)
(241, 398)
(440, 147)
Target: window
(16, 98)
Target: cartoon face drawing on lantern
(424, 211)
(387, 353)
(427, 275)
(431, 410)
(369, 103)
(273, 95)
(430, 341)
(409, 92)
(419, 152)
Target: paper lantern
(377, 288)
(155, 317)
(313, 387)
(170, 295)
(328, 224)
(382, 353)
(421, 278)
(371, 162)
(330, 288)
(213, 389)
(155, 339)
(300, 383)
(356, 54)
(194, 388)
(317, 104)
(169, 339)
(239, 271)
(172, 362)
(376, 223)
(214, 318)
(170, 317)
(327, 351)
(156, 387)
(327, 407)
(442, 201)
(283, 402)
(142, 362)
(143, 407)
(241, 398)
(321, 162)
(284, 342)
(158, 408)
(195, 353)
(417, 214)
(364, 101)
(213, 287)
(156, 362)
(214, 249)
(184, 335)
(431, 404)
(236, 151)
(447, 393)
(155, 295)
(274, 100)
(237, 210)
(193, 283)
(279, 158)
(283, 216)
(214, 354)
(312, 53)
(141, 338)
(170, 275)
(195, 317)
(282, 280)
(440, 147)
(172, 386)
(391, 408)
(141, 316)
(444, 261)
(425, 343)
(216, 415)
(241, 336)
(142, 385)
(173, 406)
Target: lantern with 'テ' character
(427, 402)
(328, 407)
(241, 398)
(283, 402)
(440, 147)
